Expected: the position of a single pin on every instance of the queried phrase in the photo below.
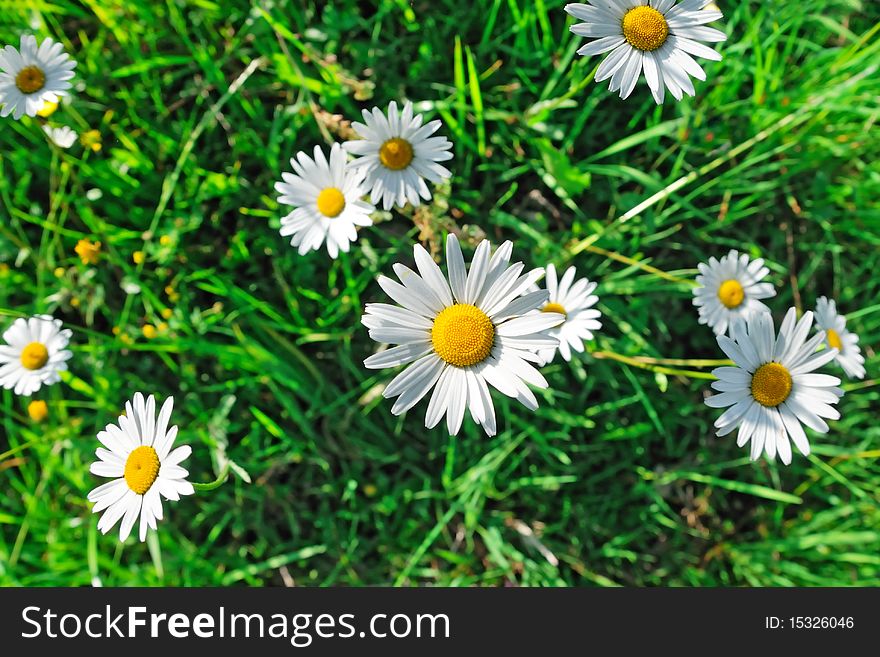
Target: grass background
(618, 479)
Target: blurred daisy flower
(574, 301)
(729, 290)
(772, 390)
(460, 334)
(397, 154)
(658, 37)
(327, 198)
(139, 457)
(62, 137)
(89, 252)
(34, 353)
(33, 75)
(849, 356)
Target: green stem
(635, 362)
(214, 484)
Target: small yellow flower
(89, 252)
(167, 313)
(74, 302)
(370, 490)
(165, 240)
(116, 330)
(59, 272)
(162, 326)
(149, 331)
(38, 410)
(48, 109)
(138, 257)
(91, 139)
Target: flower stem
(214, 484)
(636, 362)
(635, 263)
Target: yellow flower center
(554, 308)
(463, 335)
(331, 202)
(34, 356)
(30, 79)
(833, 339)
(396, 154)
(645, 28)
(731, 293)
(141, 469)
(771, 384)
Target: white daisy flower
(62, 137)
(772, 391)
(140, 459)
(849, 356)
(658, 37)
(31, 76)
(729, 290)
(397, 153)
(34, 353)
(327, 198)
(475, 329)
(574, 301)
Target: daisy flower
(397, 154)
(462, 333)
(729, 290)
(32, 75)
(849, 356)
(658, 37)
(139, 457)
(772, 390)
(34, 354)
(62, 137)
(327, 198)
(574, 301)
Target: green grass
(618, 479)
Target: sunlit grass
(618, 478)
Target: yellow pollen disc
(833, 339)
(396, 154)
(34, 356)
(645, 28)
(771, 384)
(463, 335)
(554, 308)
(141, 469)
(331, 202)
(30, 79)
(731, 293)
